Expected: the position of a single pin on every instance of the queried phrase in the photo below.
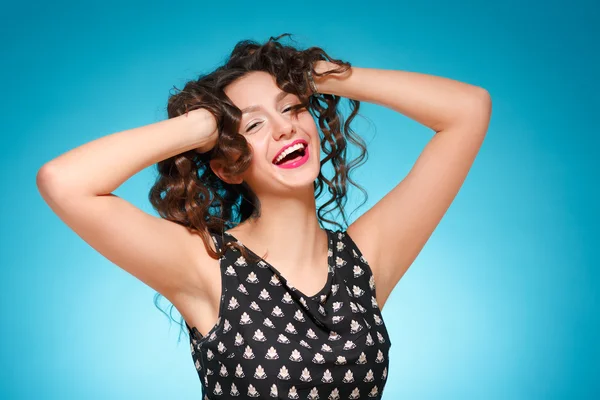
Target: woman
(240, 168)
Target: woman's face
(268, 124)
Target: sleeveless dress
(273, 341)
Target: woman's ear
(217, 167)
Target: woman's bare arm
(77, 186)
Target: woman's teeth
(288, 151)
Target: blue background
(502, 303)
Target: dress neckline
(330, 269)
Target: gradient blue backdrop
(502, 303)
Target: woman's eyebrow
(278, 98)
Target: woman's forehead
(256, 88)
(252, 79)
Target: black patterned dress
(273, 342)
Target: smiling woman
(239, 164)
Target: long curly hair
(189, 193)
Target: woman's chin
(298, 177)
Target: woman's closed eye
(252, 126)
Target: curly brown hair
(189, 193)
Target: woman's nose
(283, 126)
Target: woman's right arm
(77, 186)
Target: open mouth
(294, 155)
(295, 158)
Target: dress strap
(217, 240)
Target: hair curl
(189, 193)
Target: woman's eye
(294, 107)
(252, 126)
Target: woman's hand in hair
(323, 66)
(207, 129)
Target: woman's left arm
(392, 233)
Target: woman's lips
(295, 142)
(296, 163)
